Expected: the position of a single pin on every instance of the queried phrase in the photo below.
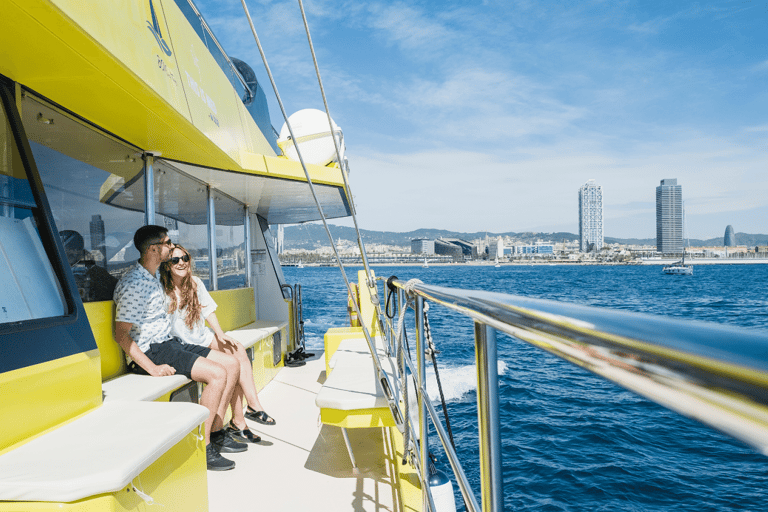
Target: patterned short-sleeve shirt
(140, 300)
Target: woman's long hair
(188, 290)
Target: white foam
(456, 381)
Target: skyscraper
(590, 217)
(729, 240)
(98, 239)
(669, 217)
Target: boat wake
(457, 381)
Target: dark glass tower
(730, 237)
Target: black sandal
(259, 416)
(245, 434)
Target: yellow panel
(282, 167)
(54, 57)
(358, 418)
(177, 482)
(367, 308)
(407, 479)
(212, 102)
(334, 336)
(101, 316)
(12, 165)
(149, 54)
(237, 308)
(45, 395)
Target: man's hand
(162, 371)
(123, 338)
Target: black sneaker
(225, 443)
(215, 461)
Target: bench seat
(351, 396)
(132, 386)
(250, 334)
(100, 452)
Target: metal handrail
(713, 373)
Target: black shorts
(173, 352)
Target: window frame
(43, 219)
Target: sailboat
(497, 262)
(425, 265)
(679, 268)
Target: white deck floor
(301, 464)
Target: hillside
(312, 236)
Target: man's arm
(123, 338)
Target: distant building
(669, 217)
(449, 249)
(496, 248)
(538, 248)
(729, 240)
(98, 239)
(590, 217)
(469, 250)
(422, 246)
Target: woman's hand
(225, 339)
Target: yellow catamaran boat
(119, 114)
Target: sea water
(572, 440)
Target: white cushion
(101, 452)
(132, 386)
(254, 332)
(353, 383)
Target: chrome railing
(713, 373)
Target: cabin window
(94, 186)
(230, 242)
(30, 288)
(181, 205)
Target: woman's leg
(246, 387)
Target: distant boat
(425, 264)
(497, 262)
(678, 268)
(300, 265)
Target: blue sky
(473, 116)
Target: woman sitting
(190, 306)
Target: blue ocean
(571, 440)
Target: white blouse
(200, 334)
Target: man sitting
(142, 329)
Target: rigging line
(342, 165)
(382, 376)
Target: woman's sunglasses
(176, 259)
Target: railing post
(423, 427)
(491, 483)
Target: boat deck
(301, 464)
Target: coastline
(662, 262)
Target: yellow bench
(351, 396)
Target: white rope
(149, 500)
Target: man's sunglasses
(176, 259)
(167, 242)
